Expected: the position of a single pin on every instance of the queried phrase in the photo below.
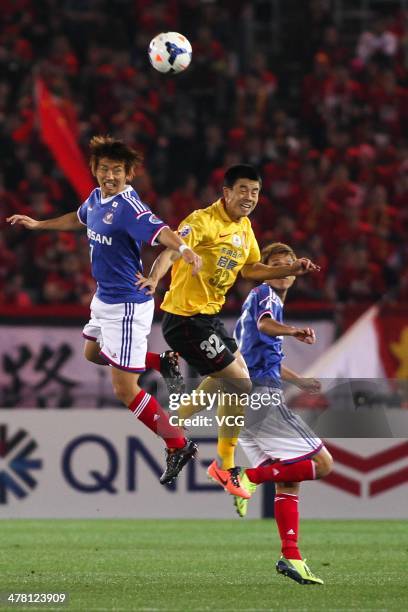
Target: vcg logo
(16, 464)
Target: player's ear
(225, 193)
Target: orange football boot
(228, 479)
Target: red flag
(57, 135)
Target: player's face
(281, 285)
(242, 198)
(111, 176)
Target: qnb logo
(16, 465)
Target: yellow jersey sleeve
(192, 229)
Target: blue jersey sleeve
(82, 211)
(144, 226)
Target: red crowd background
(322, 112)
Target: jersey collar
(106, 200)
(273, 293)
(220, 206)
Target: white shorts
(276, 433)
(121, 331)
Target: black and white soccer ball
(170, 52)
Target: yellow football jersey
(225, 247)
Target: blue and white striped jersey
(116, 227)
(263, 354)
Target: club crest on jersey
(154, 219)
(236, 240)
(108, 218)
(185, 231)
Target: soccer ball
(170, 52)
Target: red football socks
(150, 413)
(153, 361)
(283, 472)
(287, 520)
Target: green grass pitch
(203, 565)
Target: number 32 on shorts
(212, 347)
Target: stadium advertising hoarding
(101, 464)
(98, 464)
(44, 366)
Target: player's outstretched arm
(311, 385)
(64, 223)
(270, 327)
(172, 241)
(261, 272)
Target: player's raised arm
(64, 223)
(176, 248)
(261, 272)
(270, 327)
(172, 241)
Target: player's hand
(303, 266)
(310, 385)
(27, 222)
(306, 335)
(144, 282)
(192, 259)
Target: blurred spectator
(68, 284)
(332, 46)
(13, 293)
(35, 180)
(342, 190)
(327, 132)
(341, 97)
(378, 40)
(8, 260)
(359, 279)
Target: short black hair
(240, 171)
(106, 146)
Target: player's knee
(123, 393)
(324, 463)
(240, 385)
(290, 488)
